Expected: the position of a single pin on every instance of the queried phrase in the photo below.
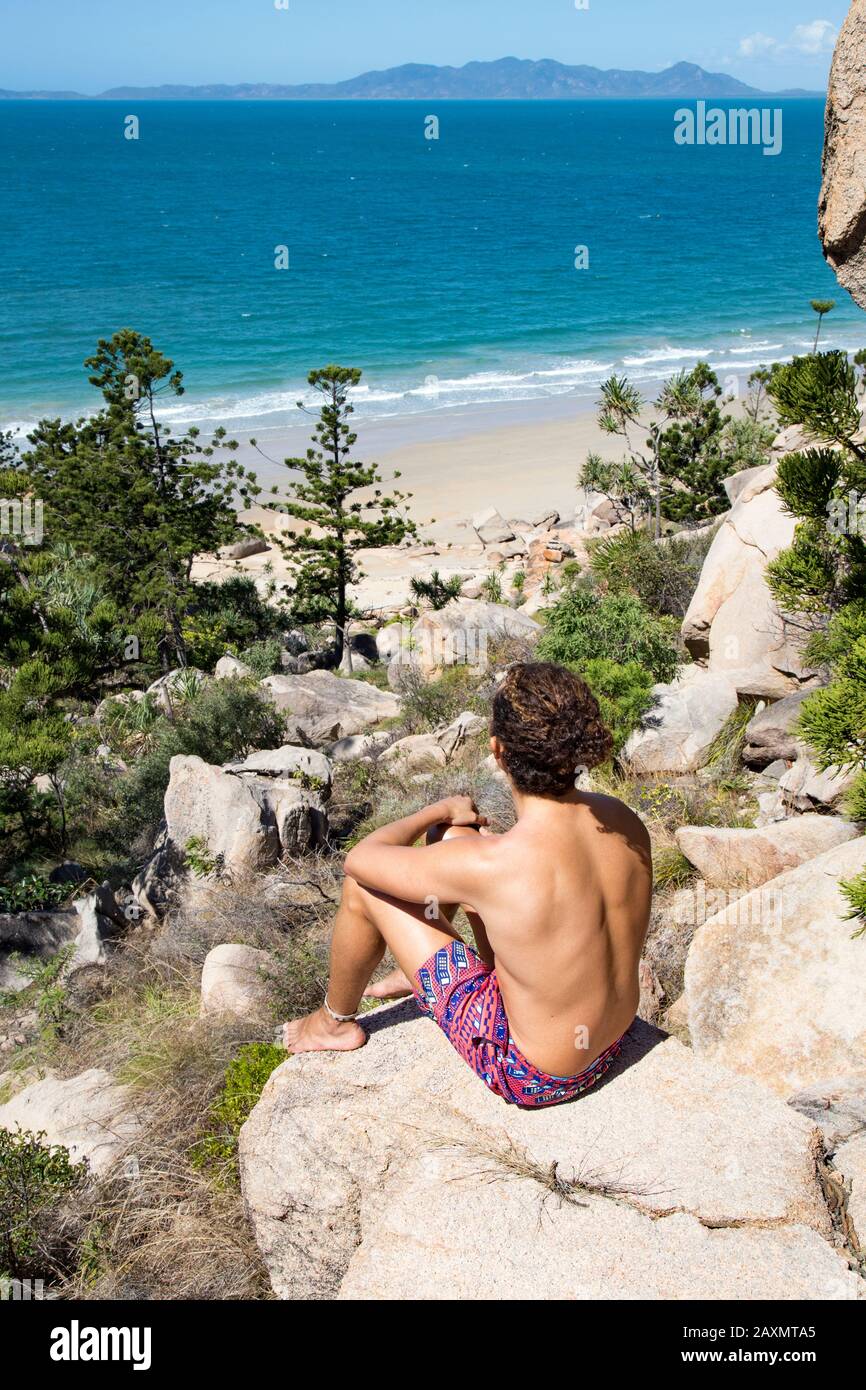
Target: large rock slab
(236, 980)
(429, 752)
(733, 622)
(774, 983)
(393, 1168)
(836, 1105)
(850, 1161)
(244, 820)
(230, 668)
(461, 632)
(804, 786)
(206, 804)
(770, 734)
(307, 766)
(842, 206)
(678, 732)
(89, 1114)
(82, 931)
(326, 708)
(747, 858)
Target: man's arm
(387, 861)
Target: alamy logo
(22, 519)
(736, 126)
(77, 1343)
(21, 1290)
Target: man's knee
(353, 895)
(444, 831)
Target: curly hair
(550, 727)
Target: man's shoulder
(617, 816)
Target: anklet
(338, 1018)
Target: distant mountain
(515, 79)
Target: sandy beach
(522, 459)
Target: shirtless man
(559, 906)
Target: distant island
(515, 79)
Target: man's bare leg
(396, 985)
(357, 947)
(365, 924)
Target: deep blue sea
(444, 268)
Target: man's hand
(459, 810)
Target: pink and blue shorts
(462, 994)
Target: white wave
(666, 354)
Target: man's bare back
(559, 904)
(565, 899)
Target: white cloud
(756, 45)
(815, 38)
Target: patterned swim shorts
(462, 994)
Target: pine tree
(119, 487)
(681, 463)
(337, 523)
(823, 573)
(691, 448)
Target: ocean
(445, 268)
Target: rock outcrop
(747, 858)
(804, 787)
(236, 980)
(89, 1114)
(837, 1105)
(459, 634)
(288, 763)
(842, 206)
(850, 1161)
(427, 752)
(733, 623)
(393, 1168)
(770, 734)
(238, 816)
(678, 732)
(83, 931)
(229, 667)
(169, 686)
(774, 983)
(325, 708)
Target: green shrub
(31, 893)
(426, 704)
(726, 750)
(223, 616)
(583, 626)
(264, 658)
(833, 719)
(671, 869)
(746, 443)
(35, 1177)
(624, 694)
(245, 1080)
(491, 588)
(227, 719)
(854, 892)
(663, 575)
(436, 591)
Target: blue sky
(89, 45)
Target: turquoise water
(445, 269)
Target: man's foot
(319, 1032)
(394, 986)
